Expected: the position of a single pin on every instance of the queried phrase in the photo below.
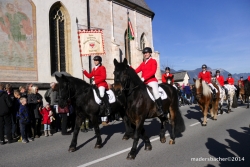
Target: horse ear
(194, 79)
(115, 61)
(125, 61)
(58, 78)
(172, 76)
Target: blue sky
(189, 33)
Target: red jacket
(220, 79)
(248, 78)
(45, 113)
(148, 69)
(165, 77)
(205, 76)
(241, 81)
(230, 81)
(99, 75)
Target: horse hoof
(125, 137)
(98, 146)
(130, 157)
(171, 142)
(148, 148)
(215, 119)
(204, 124)
(72, 149)
(163, 140)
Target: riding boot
(159, 106)
(214, 93)
(105, 100)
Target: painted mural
(17, 40)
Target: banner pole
(79, 46)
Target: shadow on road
(194, 113)
(237, 147)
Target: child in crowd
(47, 119)
(24, 120)
(16, 110)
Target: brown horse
(139, 106)
(241, 92)
(205, 100)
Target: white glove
(83, 69)
(129, 65)
(93, 82)
(142, 79)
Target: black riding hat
(167, 68)
(204, 66)
(229, 74)
(147, 50)
(217, 71)
(98, 58)
(241, 76)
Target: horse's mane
(206, 89)
(78, 83)
(134, 77)
(216, 81)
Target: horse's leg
(215, 108)
(78, 124)
(204, 123)
(128, 127)
(247, 101)
(163, 130)
(171, 130)
(148, 146)
(94, 120)
(139, 126)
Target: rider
(148, 69)
(220, 79)
(241, 81)
(230, 79)
(206, 76)
(99, 75)
(167, 75)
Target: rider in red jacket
(167, 75)
(206, 76)
(241, 81)
(230, 79)
(220, 78)
(99, 75)
(148, 69)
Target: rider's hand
(83, 69)
(93, 82)
(142, 79)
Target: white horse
(223, 97)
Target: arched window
(142, 41)
(59, 39)
(127, 47)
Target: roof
(138, 5)
(179, 76)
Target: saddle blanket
(162, 93)
(110, 94)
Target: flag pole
(79, 47)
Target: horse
(205, 100)
(141, 107)
(223, 97)
(230, 97)
(247, 91)
(81, 96)
(241, 92)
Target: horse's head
(64, 90)
(170, 79)
(198, 88)
(121, 75)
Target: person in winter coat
(24, 120)
(47, 115)
(5, 116)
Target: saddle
(162, 93)
(109, 93)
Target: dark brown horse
(81, 96)
(241, 92)
(139, 106)
(205, 99)
(247, 91)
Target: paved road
(227, 137)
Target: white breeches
(154, 86)
(101, 90)
(212, 86)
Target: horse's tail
(178, 120)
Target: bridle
(69, 93)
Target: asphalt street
(227, 139)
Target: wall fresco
(17, 40)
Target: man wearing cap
(206, 76)
(241, 81)
(148, 69)
(167, 75)
(220, 79)
(99, 75)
